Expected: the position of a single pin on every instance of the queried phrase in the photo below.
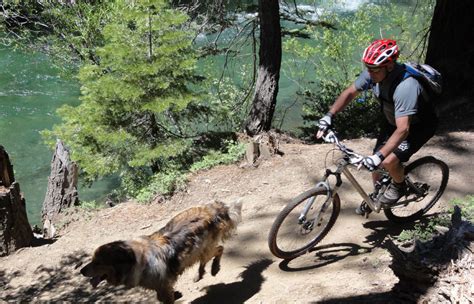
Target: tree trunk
(266, 89)
(15, 230)
(437, 271)
(451, 46)
(62, 189)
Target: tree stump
(15, 230)
(62, 189)
(437, 271)
(262, 147)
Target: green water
(30, 92)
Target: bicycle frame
(316, 209)
(342, 167)
(374, 205)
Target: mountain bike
(307, 219)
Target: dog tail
(235, 211)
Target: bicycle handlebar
(354, 158)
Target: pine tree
(135, 97)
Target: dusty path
(349, 266)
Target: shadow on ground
(62, 282)
(237, 292)
(383, 229)
(375, 298)
(403, 291)
(321, 256)
(325, 255)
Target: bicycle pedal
(363, 210)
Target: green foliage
(167, 182)
(135, 98)
(235, 151)
(91, 205)
(331, 60)
(467, 207)
(358, 119)
(140, 108)
(227, 104)
(426, 230)
(69, 34)
(163, 183)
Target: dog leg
(216, 263)
(177, 295)
(201, 271)
(166, 295)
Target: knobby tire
(424, 207)
(273, 237)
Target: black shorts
(418, 136)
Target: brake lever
(330, 137)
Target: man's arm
(400, 133)
(343, 100)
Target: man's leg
(385, 131)
(396, 189)
(392, 164)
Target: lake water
(30, 92)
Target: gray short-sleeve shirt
(405, 96)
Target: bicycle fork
(329, 196)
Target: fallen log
(437, 271)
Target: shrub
(467, 207)
(174, 179)
(426, 230)
(235, 151)
(90, 205)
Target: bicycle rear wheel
(429, 174)
(291, 236)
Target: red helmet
(381, 52)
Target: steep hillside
(349, 265)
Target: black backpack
(429, 78)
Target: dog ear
(115, 253)
(85, 270)
(78, 265)
(235, 211)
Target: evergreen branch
(254, 70)
(302, 20)
(238, 35)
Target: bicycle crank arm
(401, 203)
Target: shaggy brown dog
(155, 261)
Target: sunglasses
(373, 69)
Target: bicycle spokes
(426, 180)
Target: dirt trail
(349, 265)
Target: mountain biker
(410, 121)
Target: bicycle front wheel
(429, 175)
(295, 231)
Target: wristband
(380, 155)
(329, 114)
